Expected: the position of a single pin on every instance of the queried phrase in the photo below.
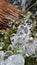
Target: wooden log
(9, 12)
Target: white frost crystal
(22, 36)
(22, 33)
(1, 45)
(22, 29)
(30, 47)
(15, 60)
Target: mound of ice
(15, 60)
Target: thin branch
(31, 6)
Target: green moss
(30, 61)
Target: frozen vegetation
(21, 41)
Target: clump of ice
(1, 58)
(15, 60)
(22, 36)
